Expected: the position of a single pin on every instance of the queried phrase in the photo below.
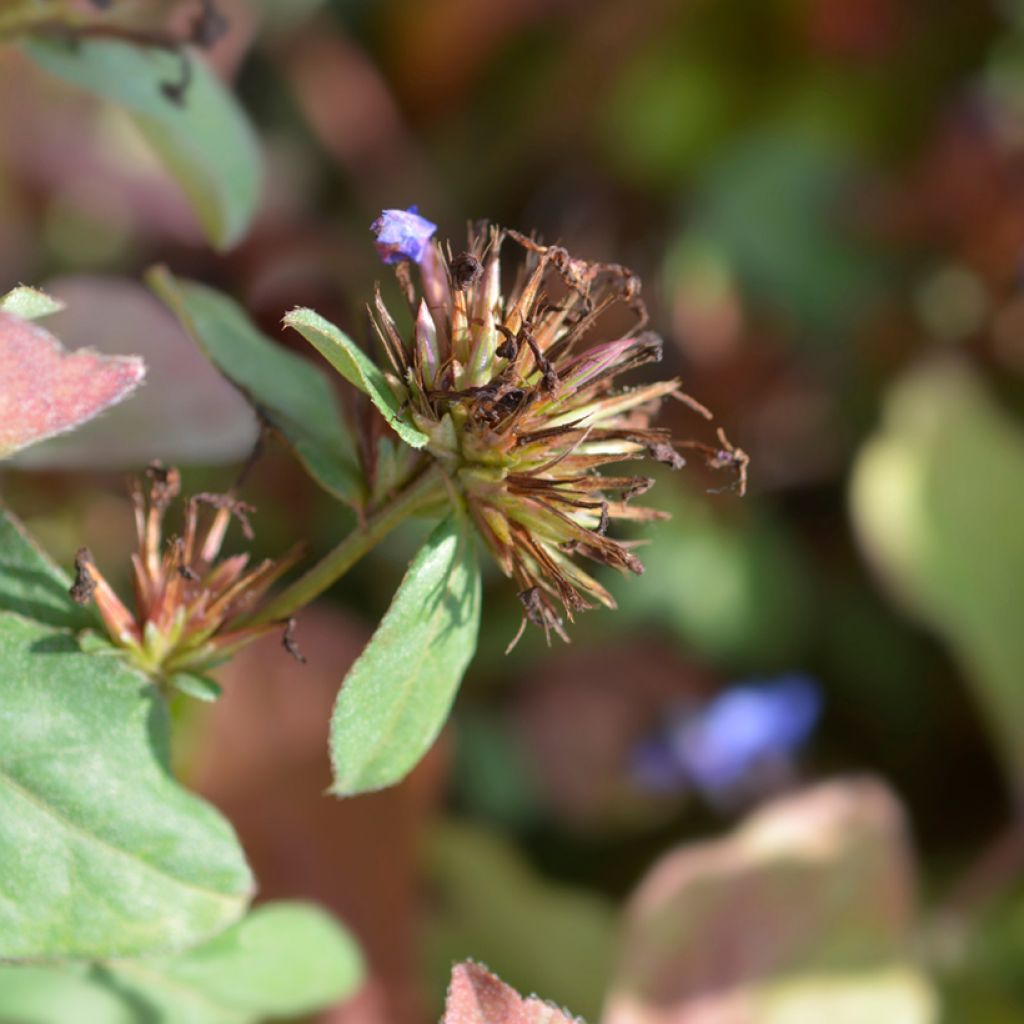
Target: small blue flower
(402, 235)
(717, 749)
(745, 725)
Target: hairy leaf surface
(102, 853)
(397, 695)
(45, 390)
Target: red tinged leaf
(45, 390)
(475, 996)
(814, 887)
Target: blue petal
(745, 725)
(402, 235)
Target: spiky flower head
(190, 604)
(523, 409)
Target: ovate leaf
(31, 584)
(356, 367)
(291, 393)
(29, 303)
(937, 497)
(397, 695)
(203, 139)
(190, 413)
(102, 853)
(45, 390)
(281, 960)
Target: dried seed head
(523, 408)
(189, 602)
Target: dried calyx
(522, 409)
(190, 604)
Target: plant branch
(422, 493)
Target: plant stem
(422, 493)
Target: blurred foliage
(938, 498)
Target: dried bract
(190, 604)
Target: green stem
(425, 491)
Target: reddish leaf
(45, 390)
(475, 996)
(190, 415)
(821, 881)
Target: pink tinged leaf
(45, 390)
(822, 880)
(475, 996)
(191, 414)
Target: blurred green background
(825, 201)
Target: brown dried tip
(725, 456)
(537, 611)
(728, 456)
(289, 644)
(241, 510)
(165, 484)
(82, 590)
(665, 453)
(466, 270)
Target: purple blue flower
(718, 748)
(402, 235)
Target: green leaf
(397, 695)
(356, 367)
(57, 995)
(283, 959)
(29, 303)
(293, 395)
(937, 497)
(204, 140)
(31, 584)
(102, 853)
(197, 686)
